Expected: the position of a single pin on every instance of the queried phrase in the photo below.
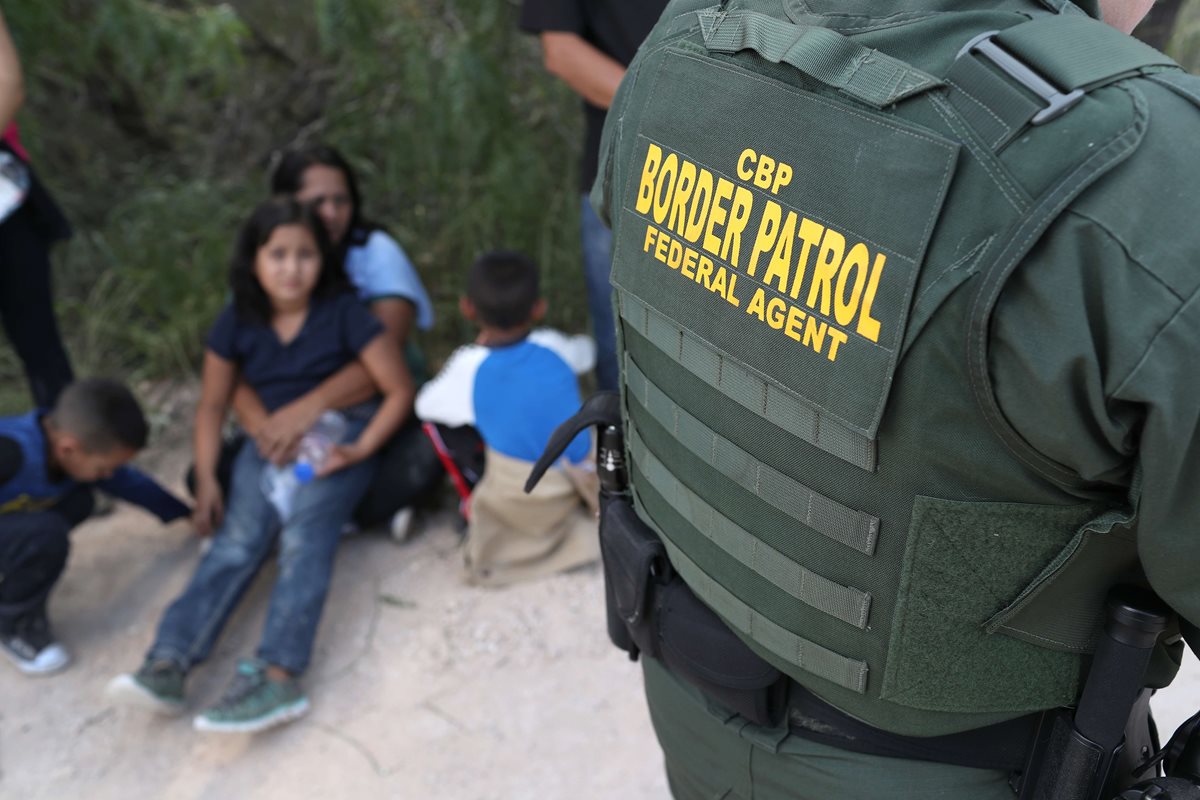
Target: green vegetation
(1184, 44)
(156, 124)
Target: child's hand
(341, 457)
(210, 507)
(279, 436)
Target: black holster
(649, 608)
(636, 567)
(652, 611)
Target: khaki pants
(513, 536)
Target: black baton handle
(1136, 618)
(1079, 762)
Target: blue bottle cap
(304, 472)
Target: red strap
(456, 476)
(14, 141)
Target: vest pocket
(1062, 608)
(971, 571)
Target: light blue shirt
(380, 269)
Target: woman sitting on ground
(384, 279)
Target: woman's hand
(278, 437)
(341, 457)
(210, 506)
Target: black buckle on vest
(1056, 102)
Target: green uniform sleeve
(1072, 323)
(1092, 358)
(1165, 387)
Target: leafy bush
(1184, 45)
(156, 123)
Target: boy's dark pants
(33, 553)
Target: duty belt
(1002, 746)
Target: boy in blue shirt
(48, 463)
(516, 385)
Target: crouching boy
(49, 462)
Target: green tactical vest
(810, 235)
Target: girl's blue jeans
(307, 546)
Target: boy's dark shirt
(614, 27)
(334, 332)
(127, 483)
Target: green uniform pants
(712, 754)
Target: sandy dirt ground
(421, 687)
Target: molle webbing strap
(747, 388)
(686, 21)
(795, 650)
(845, 603)
(826, 516)
(833, 59)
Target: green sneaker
(157, 686)
(254, 702)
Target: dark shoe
(157, 686)
(254, 702)
(30, 644)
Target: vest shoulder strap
(1033, 72)
(1077, 52)
(1060, 59)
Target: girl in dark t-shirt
(291, 325)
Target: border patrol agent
(908, 307)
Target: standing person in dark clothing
(588, 44)
(29, 223)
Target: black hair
(288, 177)
(249, 300)
(102, 413)
(504, 287)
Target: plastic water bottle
(280, 484)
